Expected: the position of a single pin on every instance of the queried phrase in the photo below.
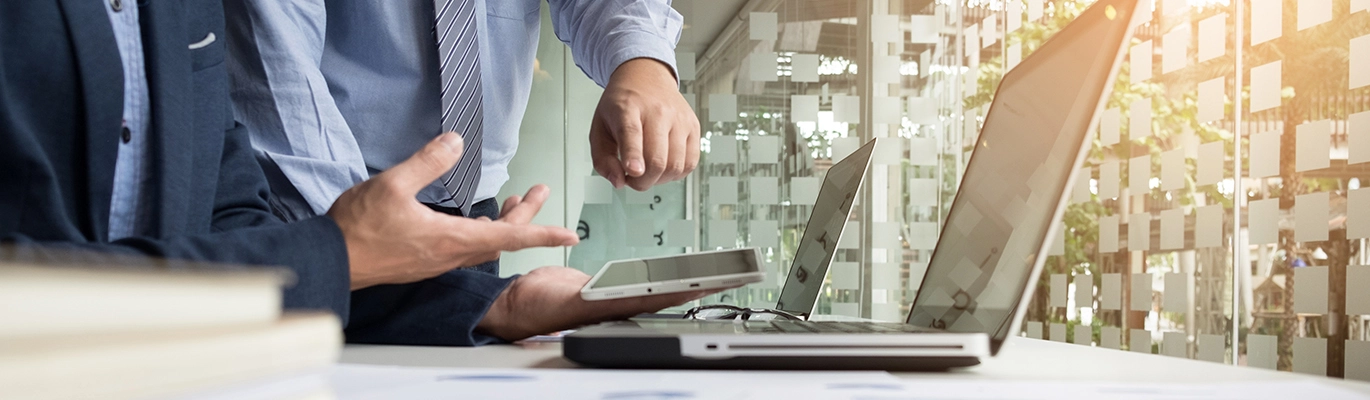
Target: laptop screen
(826, 222)
(1016, 177)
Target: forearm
(605, 34)
(444, 310)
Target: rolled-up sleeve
(604, 34)
(280, 94)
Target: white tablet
(679, 273)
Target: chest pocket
(512, 9)
(205, 40)
(205, 33)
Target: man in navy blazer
(76, 75)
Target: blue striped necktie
(459, 61)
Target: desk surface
(1020, 359)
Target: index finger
(504, 236)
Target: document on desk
(352, 381)
(949, 389)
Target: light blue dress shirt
(334, 91)
(129, 211)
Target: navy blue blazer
(61, 105)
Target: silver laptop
(988, 257)
(827, 221)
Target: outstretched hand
(392, 238)
(548, 300)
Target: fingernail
(452, 140)
(636, 167)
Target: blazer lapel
(102, 84)
(169, 84)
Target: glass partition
(1219, 215)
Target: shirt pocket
(512, 9)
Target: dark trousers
(488, 208)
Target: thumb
(435, 160)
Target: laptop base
(664, 353)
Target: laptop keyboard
(842, 327)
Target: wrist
(496, 320)
(656, 69)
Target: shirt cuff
(639, 44)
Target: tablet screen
(632, 272)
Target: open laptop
(827, 221)
(988, 257)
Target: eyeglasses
(724, 311)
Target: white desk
(1021, 359)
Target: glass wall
(1219, 215)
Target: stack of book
(101, 331)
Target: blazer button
(117, 5)
(126, 135)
